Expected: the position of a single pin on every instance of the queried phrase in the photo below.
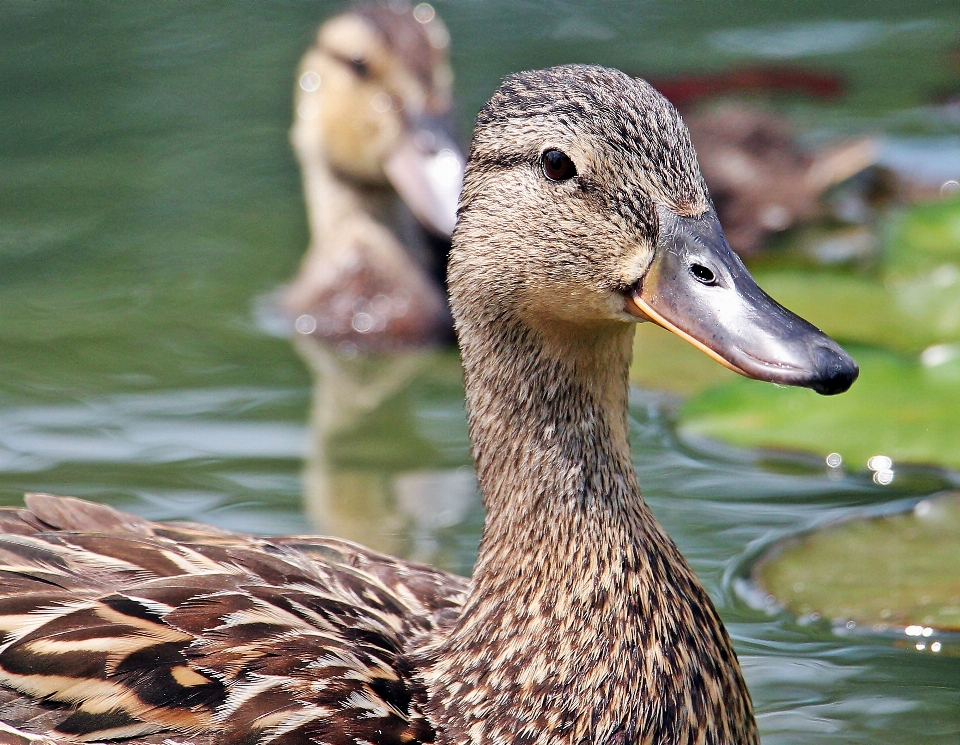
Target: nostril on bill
(836, 371)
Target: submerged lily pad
(894, 571)
(902, 408)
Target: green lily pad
(912, 303)
(665, 362)
(924, 238)
(902, 408)
(894, 571)
(853, 308)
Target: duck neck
(332, 201)
(584, 623)
(548, 419)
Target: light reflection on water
(150, 194)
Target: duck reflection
(381, 177)
(376, 471)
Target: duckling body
(377, 166)
(761, 180)
(583, 211)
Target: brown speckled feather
(141, 628)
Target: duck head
(604, 219)
(372, 99)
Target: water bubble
(439, 36)
(913, 630)
(308, 110)
(305, 324)
(834, 460)
(448, 163)
(883, 477)
(362, 323)
(401, 303)
(851, 624)
(425, 140)
(879, 463)
(424, 13)
(935, 647)
(310, 81)
(921, 646)
(381, 102)
(950, 188)
(381, 305)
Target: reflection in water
(372, 474)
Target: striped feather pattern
(116, 627)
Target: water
(150, 199)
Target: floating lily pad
(894, 571)
(853, 308)
(923, 238)
(911, 303)
(901, 407)
(664, 361)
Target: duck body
(381, 176)
(583, 211)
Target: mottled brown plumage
(157, 631)
(583, 624)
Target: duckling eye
(557, 166)
(703, 274)
(359, 67)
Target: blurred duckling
(761, 179)
(381, 177)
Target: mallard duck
(377, 162)
(583, 212)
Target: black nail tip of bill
(838, 371)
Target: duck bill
(426, 168)
(698, 288)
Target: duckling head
(372, 99)
(583, 207)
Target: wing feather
(115, 627)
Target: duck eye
(703, 274)
(557, 166)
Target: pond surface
(150, 205)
